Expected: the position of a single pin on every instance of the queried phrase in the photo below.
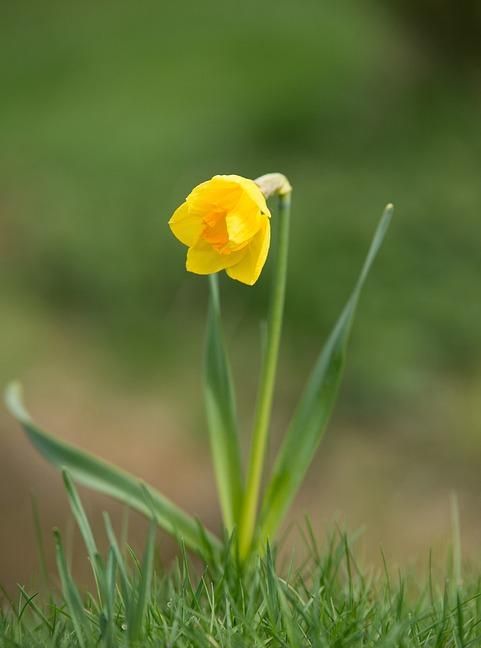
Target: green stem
(267, 381)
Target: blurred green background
(111, 112)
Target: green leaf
(70, 592)
(119, 559)
(221, 415)
(144, 587)
(106, 478)
(81, 517)
(315, 406)
(87, 535)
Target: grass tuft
(327, 601)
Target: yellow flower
(225, 224)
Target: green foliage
(315, 406)
(221, 414)
(327, 601)
(239, 509)
(71, 594)
(108, 479)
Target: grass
(327, 600)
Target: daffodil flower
(225, 224)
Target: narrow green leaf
(221, 415)
(144, 586)
(70, 592)
(106, 615)
(315, 406)
(80, 515)
(87, 535)
(31, 603)
(105, 478)
(114, 546)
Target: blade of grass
(219, 398)
(70, 592)
(86, 532)
(109, 597)
(31, 604)
(144, 586)
(106, 478)
(456, 542)
(316, 404)
(114, 546)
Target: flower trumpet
(225, 224)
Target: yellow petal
(244, 220)
(216, 194)
(224, 191)
(186, 226)
(253, 257)
(250, 187)
(204, 259)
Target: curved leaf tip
(14, 401)
(106, 478)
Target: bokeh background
(109, 114)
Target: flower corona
(225, 224)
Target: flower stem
(267, 381)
